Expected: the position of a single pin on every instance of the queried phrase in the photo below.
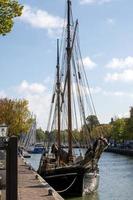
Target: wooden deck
(32, 186)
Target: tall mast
(69, 81)
(58, 94)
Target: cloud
(88, 63)
(123, 115)
(111, 21)
(101, 91)
(40, 105)
(125, 76)
(96, 90)
(39, 98)
(121, 63)
(42, 19)
(116, 93)
(94, 1)
(34, 88)
(2, 94)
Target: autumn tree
(15, 114)
(9, 9)
(104, 130)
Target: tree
(102, 130)
(9, 9)
(40, 135)
(15, 114)
(118, 130)
(92, 121)
(76, 136)
(129, 129)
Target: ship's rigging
(71, 96)
(71, 104)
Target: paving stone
(32, 188)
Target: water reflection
(116, 177)
(94, 196)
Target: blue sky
(27, 54)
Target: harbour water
(116, 177)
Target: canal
(116, 177)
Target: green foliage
(102, 130)
(40, 135)
(118, 129)
(129, 129)
(76, 136)
(15, 114)
(9, 9)
(92, 121)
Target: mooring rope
(68, 186)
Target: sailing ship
(28, 142)
(67, 173)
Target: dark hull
(69, 181)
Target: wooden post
(11, 169)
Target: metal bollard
(50, 192)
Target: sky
(28, 54)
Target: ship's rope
(68, 186)
(84, 82)
(91, 99)
(81, 102)
(81, 92)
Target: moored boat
(25, 154)
(38, 148)
(68, 174)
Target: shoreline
(127, 152)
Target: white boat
(25, 154)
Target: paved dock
(32, 186)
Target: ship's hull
(72, 181)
